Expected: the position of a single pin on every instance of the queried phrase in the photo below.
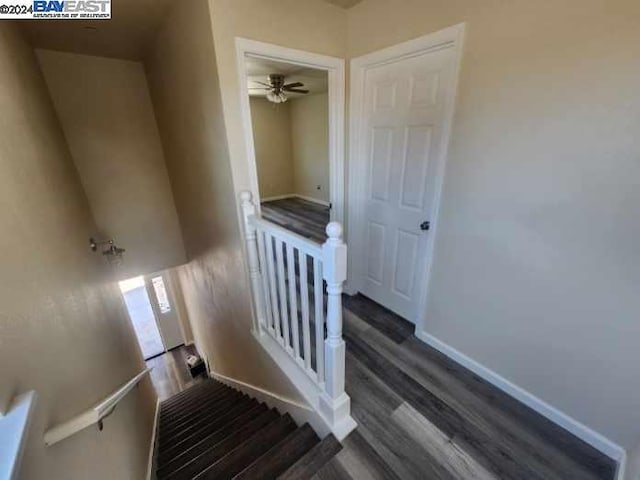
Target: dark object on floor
(196, 365)
(170, 374)
(213, 431)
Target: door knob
(425, 225)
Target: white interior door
(163, 303)
(402, 135)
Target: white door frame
(451, 37)
(336, 84)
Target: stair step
(312, 461)
(240, 423)
(219, 445)
(208, 383)
(205, 410)
(201, 421)
(168, 410)
(250, 450)
(167, 452)
(281, 456)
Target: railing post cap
(245, 196)
(334, 230)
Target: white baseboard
(324, 203)
(277, 197)
(154, 434)
(300, 412)
(570, 424)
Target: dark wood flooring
(300, 216)
(423, 416)
(170, 374)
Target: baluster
(293, 301)
(249, 211)
(282, 292)
(319, 317)
(272, 283)
(265, 281)
(304, 303)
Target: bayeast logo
(71, 8)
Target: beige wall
(107, 116)
(63, 330)
(536, 268)
(272, 143)
(313, 26)
(310, 145)
(180, 305)
(291, 142)
(185, 90)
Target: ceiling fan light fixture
(276, 97)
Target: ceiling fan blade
(293, 85)
(262, 83)
(259, 88)
(295, 90)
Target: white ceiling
(127, 35)
(258, 69)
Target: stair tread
(167, 413)
(189, 392)
(189, 454)
(201, 421)
(208, 410)
(166, 453)
(246, 453)
(194, 408)
(206, 455)
(282, 455)
(312, 461)
(189, 404)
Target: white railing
(288, 273)
(94, 415)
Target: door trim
(451, 37)
(336, 85)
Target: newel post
(335, 401)
(249, 211)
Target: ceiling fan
(277, 88)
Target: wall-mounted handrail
(94, 415)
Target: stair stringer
(302, 413)
(329, 416)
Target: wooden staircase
(212, 431)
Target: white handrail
(298, 241)
(94, 415)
